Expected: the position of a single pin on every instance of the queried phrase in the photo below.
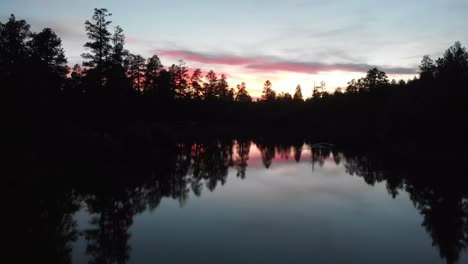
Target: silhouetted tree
(353, 86)
(179, 77)
(375, 79)
(427, 68)
(452, 73)
(165, 92)
(47, 48)
(195, 85)
(455, 60)
(136, 71)
(99, 44)
(118, 82)
(222, 89)
(242, 94)
(74, 85)
(14, 35)
(153, 67)
(298, 94)
(118, 52)
(318, 91)
(338, 91)
(284, 97)
(268, 94)
(210, 85)
(48, 60)
(231, 95)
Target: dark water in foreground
(246, 202)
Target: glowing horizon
(284, 75)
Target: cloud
(208, 59)
(269, 64)
(314, 68)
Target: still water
(258, 202)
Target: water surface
(259, 202)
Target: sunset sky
(288, 42)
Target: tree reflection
(437, 192)
(297, 150)
(46, 212)
(112, 215)
(320, 152)
(41, 227)
(212, 163)
(243, 150)
(267, 150)
(284, 150)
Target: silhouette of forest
(115, 94)
(77, 134)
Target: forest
(122, 98)
(76, 134)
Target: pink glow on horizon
(268, 65)
(285, 75)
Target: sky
(287, 42)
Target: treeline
(115, 88)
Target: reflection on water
(244, 201)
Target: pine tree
(242, 94)
(46, 48)
(153, 67)
(298, 94)
(268, 94)
(99, 44)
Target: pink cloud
(268, 64)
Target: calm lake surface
(257, 202)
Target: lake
(243, 201)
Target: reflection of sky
(286, 214)
(278, 217)
(255, 157)
(288, 42)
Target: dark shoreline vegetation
(122, 132)
(118, 91)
